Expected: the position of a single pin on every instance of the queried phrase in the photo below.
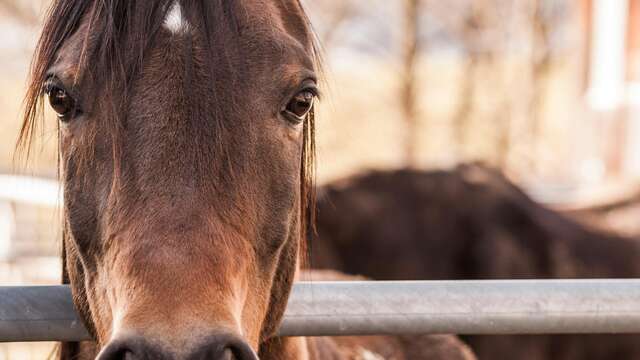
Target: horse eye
(60, 101)
(300, 106)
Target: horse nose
(132, 348)
(224, 347)
(218, 347)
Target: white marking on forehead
(175, 20)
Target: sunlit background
(546, 90)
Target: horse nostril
(240, 352)
(224, 347)
(117, 352)
(228, 355)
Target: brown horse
(186, 154)
(470, 223)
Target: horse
(186, 157)
(470, 223)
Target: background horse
(186, 155)
(470, 223)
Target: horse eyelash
(314, 90)
(47, 85)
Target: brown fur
(470, 223)
(186, 186)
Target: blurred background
(548, 91)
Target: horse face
(182, 144)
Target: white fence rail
(367, 308)
(23, 190)
(30, 190)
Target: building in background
(612, 79)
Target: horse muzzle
(216, 347)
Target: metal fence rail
(366, 308)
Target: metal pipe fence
(46, 313)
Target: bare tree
(541, 66)
(470, 33)
(408, 86)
